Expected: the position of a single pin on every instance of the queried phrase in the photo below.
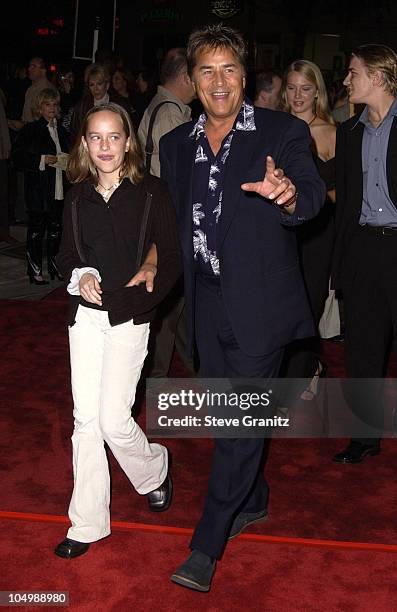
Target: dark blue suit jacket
(261, 283)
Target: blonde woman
(104, 223)
(35, 151)
(304, 95)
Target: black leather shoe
(355, 452)
(244, 519)
(160, 499)
(196, 573)
(69, 549)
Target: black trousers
(43, 223)
(236, 482)
(315, 241)
(369, 284)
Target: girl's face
(49, 109)
(300, 93)
(98, 87)
(106, 143)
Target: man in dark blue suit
(244, 293)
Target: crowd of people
(264, 206)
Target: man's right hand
(50, 159)
(90, 289)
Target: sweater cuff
(73, 286)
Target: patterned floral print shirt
(208, 181)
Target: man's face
(271, 97)
(35, 69)
(359, 83)
(219, 81)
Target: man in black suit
(244, 293)
(366, 248)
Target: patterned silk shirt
(208, 181)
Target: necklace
(106, 192)
(312, 119)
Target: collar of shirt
(364, 117)
(245, 121)
(166, 94)
(104, 100)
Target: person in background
(168, 109)
(97, 80)
(112, 303)
(145, 85)
(304, 95)
(122, 90)
(341, 106)
(268, 90)
(35, 151)
(5, 147)
(65, 83)
(37, 73)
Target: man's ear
(244, 81)
(377, 78)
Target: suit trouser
(106, 364)
(369, 286)
(236, 482)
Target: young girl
(111, 307)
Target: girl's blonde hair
(81, 167)
(311, 72)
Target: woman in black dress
(304, 95)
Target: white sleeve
(42, 163)
(73, 286)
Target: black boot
(53, 241)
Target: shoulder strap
(149, 146)
(142, 232)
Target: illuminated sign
(226, 8)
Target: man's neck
(173, 89)
(378, 110)
(219, 126)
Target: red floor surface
(311, 497)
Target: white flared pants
(106, 363)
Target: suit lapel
(237, 167)
(355, 136)
(184, 170)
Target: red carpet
(311, 497)
(131, 571)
